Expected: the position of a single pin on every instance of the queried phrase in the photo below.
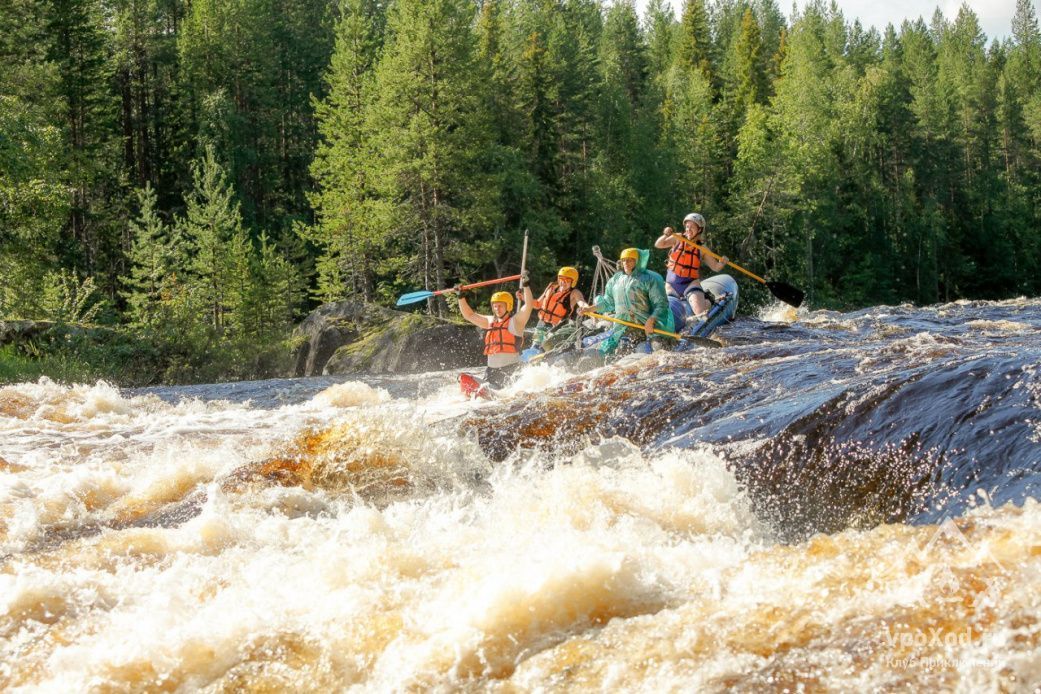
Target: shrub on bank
(138, 357)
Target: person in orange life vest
(557, 303)
(504, 332)
(683, 278)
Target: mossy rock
(352, 337)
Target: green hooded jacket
(635, 298)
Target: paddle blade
(473, 387)
(786, 293)
(529, 354)
(414, 297)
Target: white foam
(780, 312)
(351, 394)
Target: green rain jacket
(635, 298)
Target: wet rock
(20, 331)
(353, 337)
(23, 332)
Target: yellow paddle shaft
(631, 325)
(684, 239)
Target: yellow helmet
(569, 272)
(630, 254)
(503, 297)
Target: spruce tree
(213, 240)
(694, 43)
(151, 257)
(691, 128)
(746, 80)
(659, 30)
(804, 117)
(344, 231)
(34, 203)
(79, 45)
(435, 145)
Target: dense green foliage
(200, 172)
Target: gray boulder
(23, 332)
(18, 332)
(352, 337)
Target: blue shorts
(682, 286)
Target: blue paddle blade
(530, 352)
(413, 297)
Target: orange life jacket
(685, 261)
(556, 307)
(499, 340)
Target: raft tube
(723, 292)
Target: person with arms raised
(503, 332)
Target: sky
(995, 15)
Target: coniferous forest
(198, 174)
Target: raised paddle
(524, 258)
(782, 290)
(413, 297)
(703, 341)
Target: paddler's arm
(525, 311)
(577, 299)
(666, 240)
(605, 302)
(469, 314)
(541, 301)
(648, 326)
(712, 262)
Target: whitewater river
(832, 501)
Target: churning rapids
(837, 501)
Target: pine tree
(79, 46)
(435, 143)
(213, 240)
(694, 46)
(33, 200)
(151, 259)
(344, 230)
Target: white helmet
(696, 218)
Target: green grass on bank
(129, 359)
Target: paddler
(637, 295)
(683, 278)
(557, 303)
(503, 332)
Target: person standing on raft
(503, 332)
(683, 278)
